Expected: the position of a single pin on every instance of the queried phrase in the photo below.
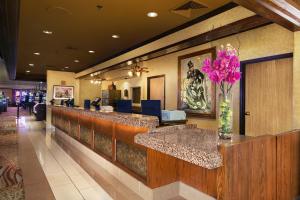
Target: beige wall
(88, 91)
(261, 42)
(56, 77)
(217, 21)
(296, 81)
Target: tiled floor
(67, 179)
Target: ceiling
(80, 25)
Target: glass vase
(225, 116)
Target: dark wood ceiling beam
(294, 3)
(218, 33)
(280, 12)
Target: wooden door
(268, 102)
(156, 89)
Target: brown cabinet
(109, 97)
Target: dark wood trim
(204, 17)
(148, 87)
(242, 98)
(213, 52)
(271, 11)
(237, 27)
(294, 3)
(243, 84)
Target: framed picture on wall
(196, 93)
(63, 92)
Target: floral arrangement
(225, 72)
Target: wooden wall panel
(288, 165)
(127, 133)
(162, 169)
(249, 170)
(202, 179)
(103, 126)
(269, 97)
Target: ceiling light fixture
(67, 67)
(47, 32)
(129, 62)
(90, 51)
(37, 53)
(77, 61)
(130, 73)
(31, 64)
(92, 75)
(27, 71)
(138, 74)
(152, 14)
(115, 36)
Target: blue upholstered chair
(124, 106)
(151, 107)
(87, 104)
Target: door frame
(148, 87)
(243, 83)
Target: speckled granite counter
(186, 142)
(138, 120)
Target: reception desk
(111, 135)
(240, 168)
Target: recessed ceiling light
(77, 61)
(37, 53)
(66, 67)
(47, 32)
(152, 14)
(31, 64)
(27, 71)
(115, 36)
(91, 51)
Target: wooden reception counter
(241, 168)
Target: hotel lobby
(149, 100)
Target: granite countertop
(129, 119)
(186, 142)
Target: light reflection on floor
(66, 178)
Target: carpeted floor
(11, 182)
